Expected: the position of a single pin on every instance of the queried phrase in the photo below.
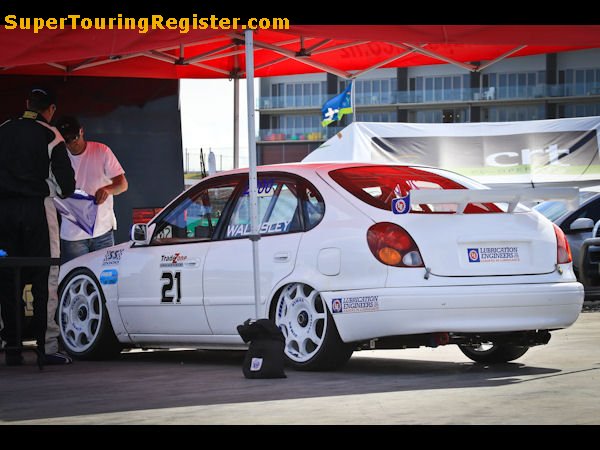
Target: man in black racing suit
(34, 167)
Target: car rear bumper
(371, 313)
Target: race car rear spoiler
(512, 196)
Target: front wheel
(312, 341)
(490, 353)
(85, 328)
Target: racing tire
(85, 328)
(312, 341)
(490, 353)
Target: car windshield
(555, 209)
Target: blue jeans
(73, 249)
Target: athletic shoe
(57, 359)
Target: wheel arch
(84, 270)
(309, 278)
(110, 300)
(311, 281)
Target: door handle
(192, 263)
(281, 257)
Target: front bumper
(456, 309)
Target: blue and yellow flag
(335, 108)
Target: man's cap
(68, 126)
(41, 98)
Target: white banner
(538, 151)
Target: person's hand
(101, 195)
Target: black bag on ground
(265, 357)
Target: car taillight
(563, 251)
(392, 245)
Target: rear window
(379, 185)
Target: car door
(160, 289)
(228, 270)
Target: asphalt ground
(552, 384)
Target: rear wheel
(490, 353)
(312, 341)
(85, 328)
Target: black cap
(68, 126)
(40, 98)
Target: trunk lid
(480, 244)
(460, 227)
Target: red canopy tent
(338, 49)
(346, 51)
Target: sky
(207, 122)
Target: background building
(549, 86)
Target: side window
(313, 206)
(195, 217)
(278, 210)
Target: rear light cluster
(393, 246)
(563, 251)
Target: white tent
(546, 151)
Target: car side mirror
(582, 224)
(139, 233)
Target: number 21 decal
(168, 294)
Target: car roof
(311, 167)
(592, 198)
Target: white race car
(351, 256)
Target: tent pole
(352, 99)
(252, 179)
(236, 122)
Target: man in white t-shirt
(97, 172)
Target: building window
(289, 95)
(456, 88)
(437, 89)
(419, 92)
(447, 93)
(429, 116)
(580, 110)
(541, 76)
(513, 113)
(580, 81)
(375, 116)
(370, 92)
(516, 85)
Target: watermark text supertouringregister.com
(144, 24)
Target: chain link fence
(192, 159)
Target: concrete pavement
(552, 384)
